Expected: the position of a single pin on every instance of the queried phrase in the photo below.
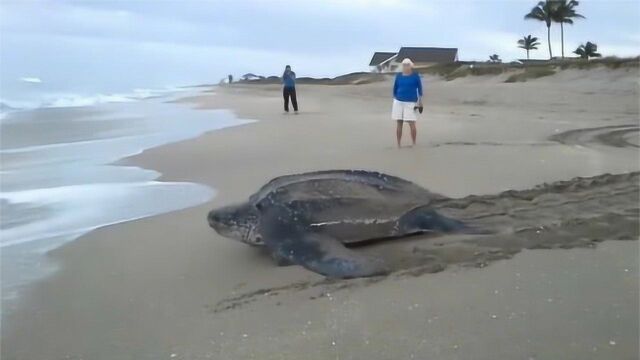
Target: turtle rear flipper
(425, 219)
(286, 238)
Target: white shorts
(403, 110)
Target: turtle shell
(350, 205)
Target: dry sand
(168, 287)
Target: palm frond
(564, 11)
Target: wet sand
(168, 287)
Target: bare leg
(414, 131)
(399, 132)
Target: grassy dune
(517, 72)
(521, 72)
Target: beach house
(380, 61)
(421, 57)
(251, 76)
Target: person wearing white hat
(407, 100)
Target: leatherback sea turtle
(307, 219)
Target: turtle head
(238, 222)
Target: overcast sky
(166, 42)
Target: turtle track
(614, 135)
(580, 212)
(563, 214)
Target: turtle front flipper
(325, 255)
(285, 235)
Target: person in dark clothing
(289, 89)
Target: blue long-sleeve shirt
(407, 87)
(289, 79)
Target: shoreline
(177, 268)
(25, 259)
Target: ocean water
(58, 179)
(19, 92)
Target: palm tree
(544, 12)
(587, 50)
(564, 13)
(495, 58)
(528, 43)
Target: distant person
(407, 99)
(289, 89)
(230, 78)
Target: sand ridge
(612, 135)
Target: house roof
(379, 57)
(428, 54)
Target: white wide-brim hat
(407, 61)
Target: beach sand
(169, 287)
